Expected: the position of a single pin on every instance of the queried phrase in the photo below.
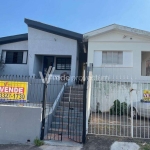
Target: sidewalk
(49, 145)
(31, 147)
(93, 143)
(105, 142)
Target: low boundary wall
(19, 124)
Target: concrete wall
(115, 41)
(44, 43)
(38, 64)
(15, 69)
(19, 124)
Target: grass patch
(145, 146)
(38, 142)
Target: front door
(47, 61)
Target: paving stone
(124, 146)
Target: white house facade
(119, 50)
(41, 47)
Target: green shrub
(118, 108)
(124, 108)
(38, 142)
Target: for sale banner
(13, 91)
(146, 95)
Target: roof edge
(13, 38)
(116, 27)
(53, 29)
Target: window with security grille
(112, 57)
(63, 63)
(15, 57)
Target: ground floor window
(63, 63)
(112, 57)
(145, 63)
(14, 57)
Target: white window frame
(24, 59)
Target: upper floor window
(112, 57)
(14, 57)
(63, 63)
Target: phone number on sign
(12, 96)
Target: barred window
(15, 57)
(63, 63)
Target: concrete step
(71, 112)
(72, 99)
(64, 125)
(67, 108)
(71, 104)
(65, 131)
(73, 91)
(79, 87)
(51, 136)
(74, 115)
(76, 120)
(73, 95)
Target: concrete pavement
(49, 147)
(124, 146)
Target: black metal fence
(35, 88)
(62, 104)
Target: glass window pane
(9, 57)
(115, 58)
(14, 57)
(120, 57)
(104, 57)
(63, 63)
(109, 57)
(112, 57)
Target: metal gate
(119, 106)
(67, 119)
(75, 113)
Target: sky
(76, 15)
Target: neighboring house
(42, 46)
(119, 50)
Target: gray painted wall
(44, 43)
(15, 69)
(41, 43)
(38, 64)
(19, 124)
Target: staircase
(68, 119)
